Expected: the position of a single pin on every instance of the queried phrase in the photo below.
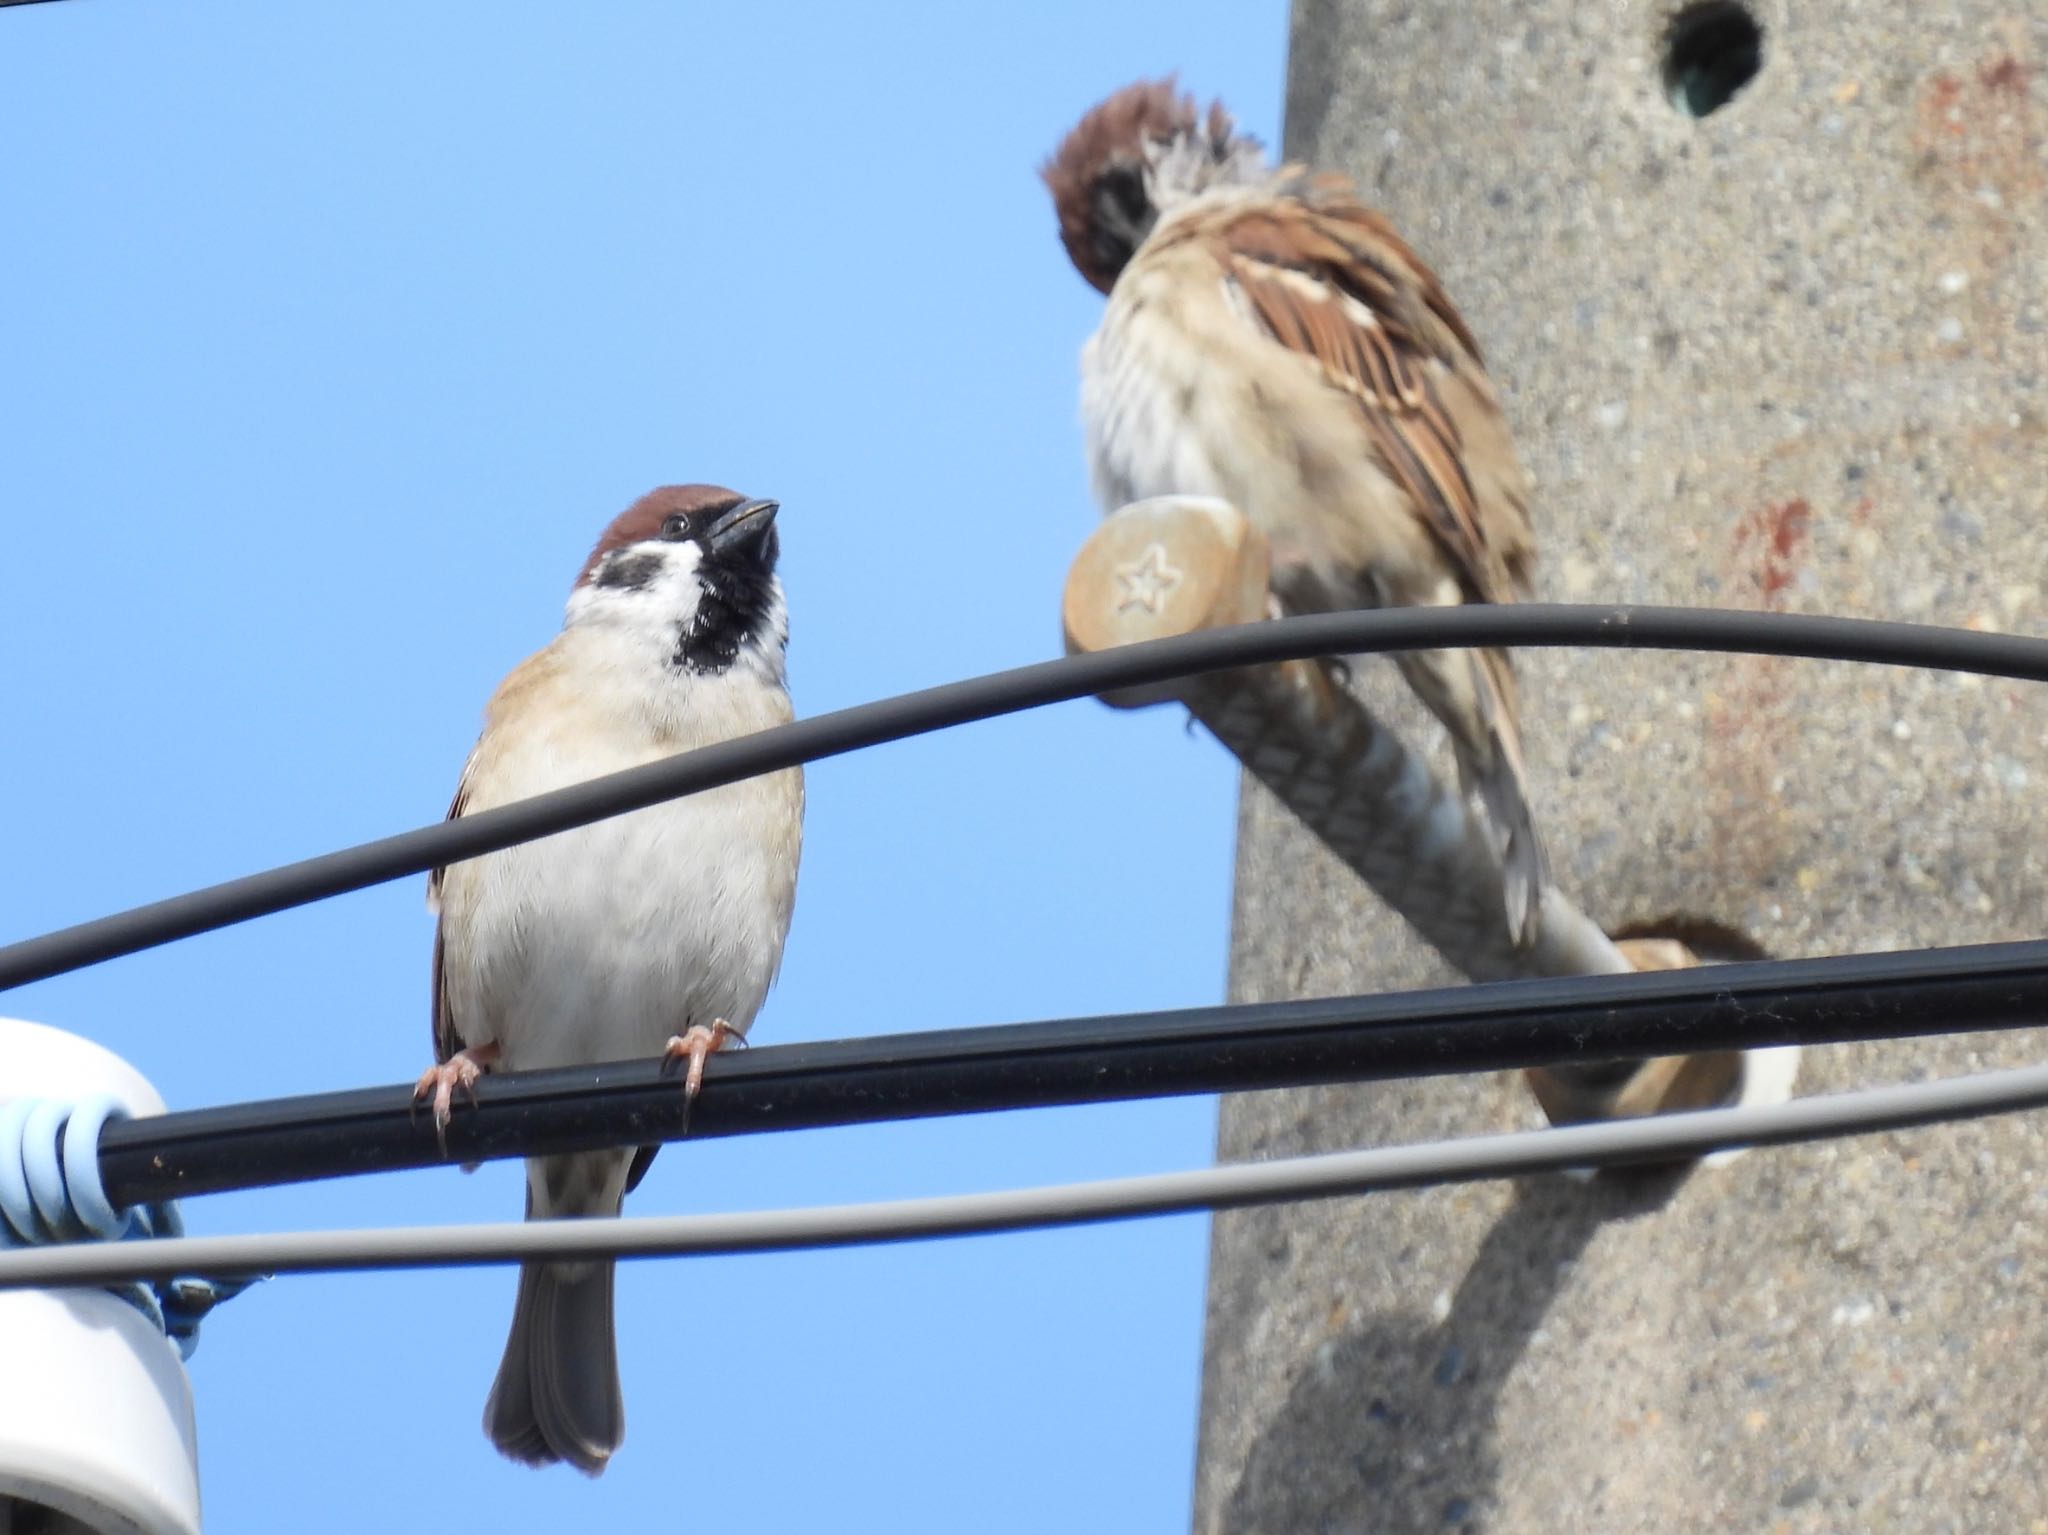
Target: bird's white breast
(601, 943)
(1140, 403)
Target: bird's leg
(1336, 668)
(460, 1070)
(695, 1045)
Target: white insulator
(96, 1422)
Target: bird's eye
(676, 528)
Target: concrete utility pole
(1784, 349)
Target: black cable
(1093, 1060)
(1026, 687)
(1659, 1139)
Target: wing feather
(1328, 278)
(447, 1037)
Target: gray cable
(1469, 1160)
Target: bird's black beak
(745, 532)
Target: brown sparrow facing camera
(658, 931)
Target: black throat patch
(738, 592)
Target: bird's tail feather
(557, 1394)
(1473, 693)
(1503, 787)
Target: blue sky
(330, 335)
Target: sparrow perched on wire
(1270, 340)
(657, 931)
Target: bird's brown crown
(1097, 176)
(643, 519)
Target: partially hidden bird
(656, 932)
(1269, 339)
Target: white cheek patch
(649, 585)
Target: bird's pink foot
(695, 1045)
(460, 1070)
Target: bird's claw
(695, 1045)
(438, 1084)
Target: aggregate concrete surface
(1788, 356)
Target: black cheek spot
(1121, 215)
(1121, 189)
(629, 572)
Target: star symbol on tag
(1147, 581)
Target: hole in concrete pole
(1712, 51)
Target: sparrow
(1269, 339)
(654, 933)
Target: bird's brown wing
(447, 1038)
(1329, 279)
